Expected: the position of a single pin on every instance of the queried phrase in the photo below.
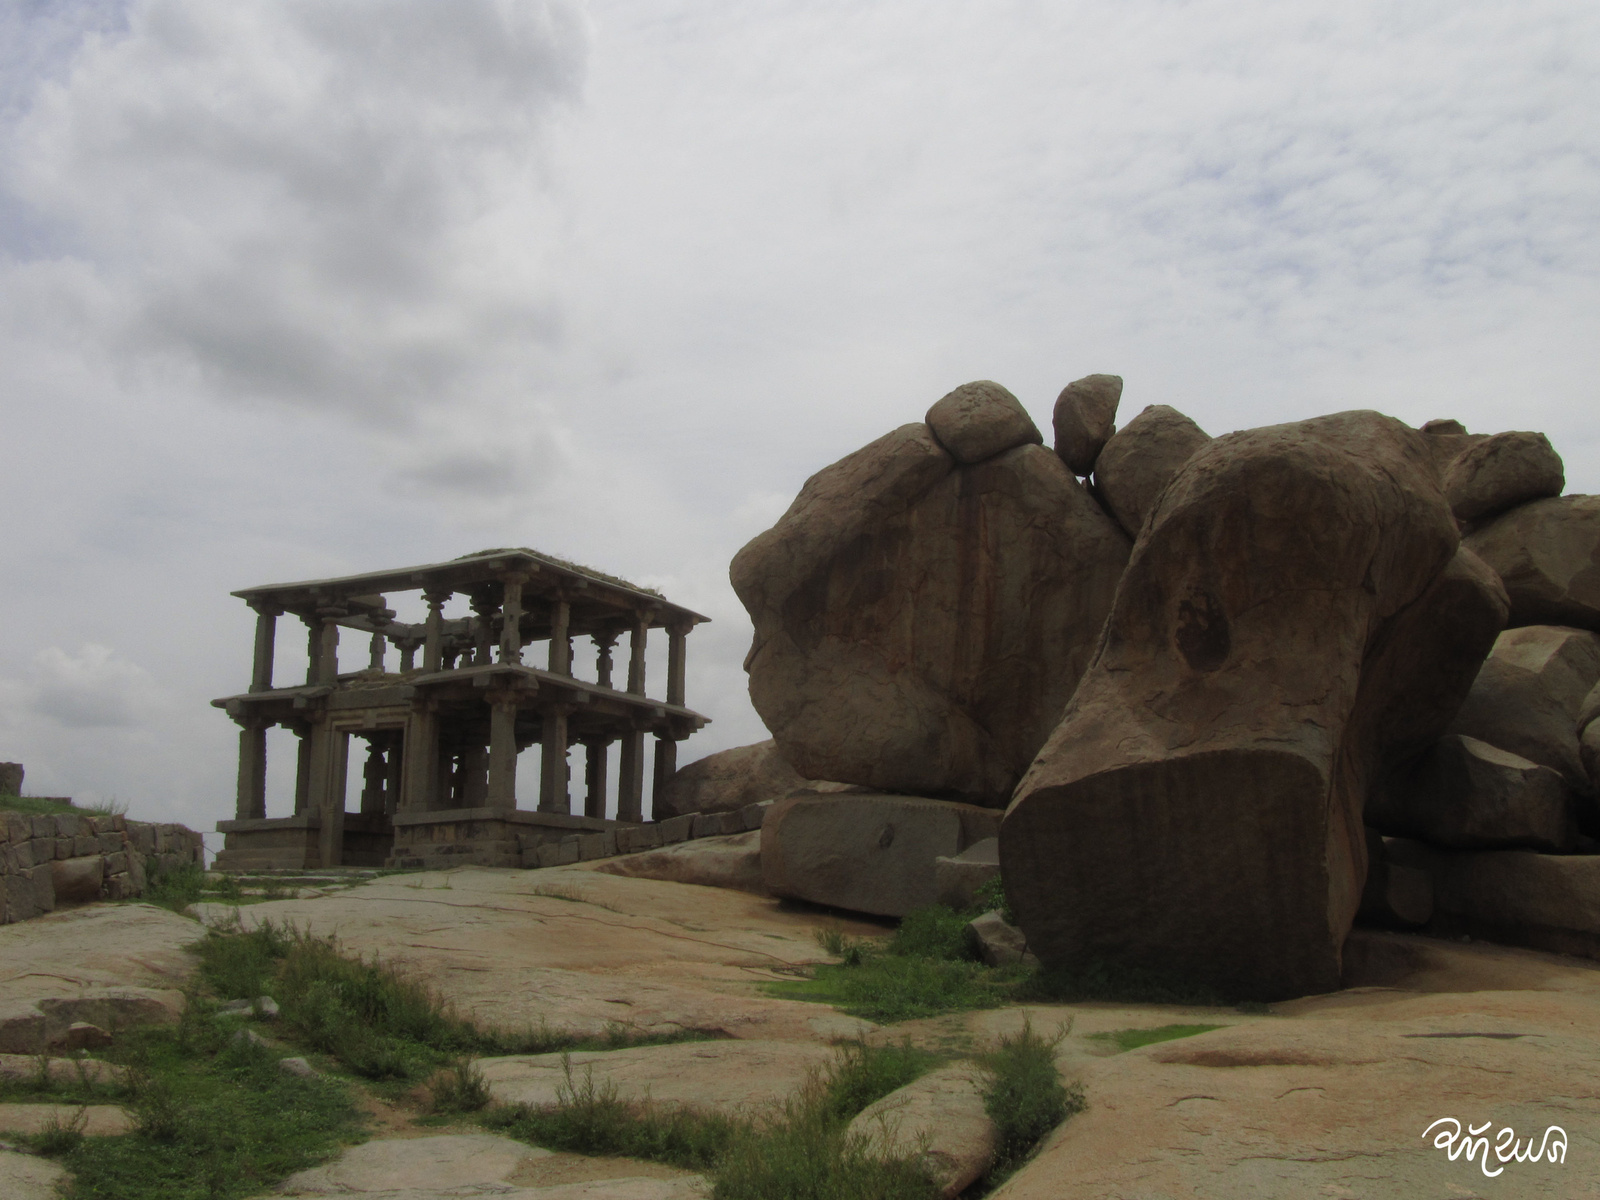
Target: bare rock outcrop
(1529, 693)
(919, 625)
(1468, 794)
(1447, 441)
(979, 420)
(1501, 472)
(869, 854)
(1198, 810)
(1141, 459)
(1084, 419)
(733, 779)
(1548, 554)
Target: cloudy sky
(291, 288)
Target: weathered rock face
(979, 420)
(1141, 459)
(1395, 896)
(1468, 794)
(1502, 471)
(1528, 695)
(958, 878)
(918, 626)
(731, 779)
(1548, 554)
(1085, 417)
(938, 1119)
(1198, 810)
(869, 854)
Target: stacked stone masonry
(55, 860)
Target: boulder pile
(1229, 692)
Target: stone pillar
(630, 777)
(394, 772)
(302, 772)
(374, 775)
(475, 776)
(560, 640)
(483, 631)
(641, 634)
(603, 643)
(677, 637)
(327, 791)
(328, 651)
(408, 655)
(666, 760)
(503, 749)
(313, 649)
(553, 794)
(433, 651)
(375, 651)
(266, 632)
(595, 757)
(419, 782)
(251, 798)
(511, 621)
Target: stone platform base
(290, 843)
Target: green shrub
(888, 988)
(863, 1074)
(1024, 1097)
(934, 932)
(809, 1156)
(459, 1088)
(175, 889)
(991, 896)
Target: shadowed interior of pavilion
(441, 739)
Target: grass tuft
(1132, 1039)
(175, 889)
(1025, 1097)
(58, 1138)
(934, 932)
(459, 1088)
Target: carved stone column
(630, 777)
(408, 654)
(313, 649)
(502, 749)
(595, 760)
(639, 636)
(560, 641)
(266, 632)
(553, 794)
(475, 776)
(375, 775)
(395, 772)
(251, 796)
(433, 644)
(420, 781)
(302, 770)
(483, 629)
(602, 644)
(666, 760)
(328, 650)
(677, 637)
(511, 620)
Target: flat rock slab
(1329, 1096)
(427, 1164)
(25, 1177)
(577, 949)
(726, 862)
(734, 1077)
(939, 1118)
(99, 1120)
(61, 1070)
(109, 965)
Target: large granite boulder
(1198, 810)
(865, 853)
(1084, 419)
(1501, 472)
(1468, 794)
(979, 420)
(1528, 696)
(1447, 441)
(1140, 460)
(918, 625)
(733, 779)
(1548, 554)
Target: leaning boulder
(1470, 795)
(1085, 417)
(866, 853)
(979, 420)
(1528, 695)
(1198, 810)
(733, 779)
(1501, 472)
(1548, 554)
(918, 625)
(1141, 459)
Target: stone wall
(59, 859)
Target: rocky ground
(1324, 1096)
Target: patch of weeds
(991, 896)
(50, 806)
(934, 932)
(589, 1118)
(863, 1074)
(1024, 1096)
(888, 988)
(837, 943)
(214, 1120)
(459, 1088)
(59, 1137)
(175, 889)
(1132, 1039)
(1102, 979)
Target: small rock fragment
(999, 944)
(81, 1035)
(297, 1066)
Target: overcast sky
(292, 288)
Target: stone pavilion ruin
(442, 736)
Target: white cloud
(91, 687)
